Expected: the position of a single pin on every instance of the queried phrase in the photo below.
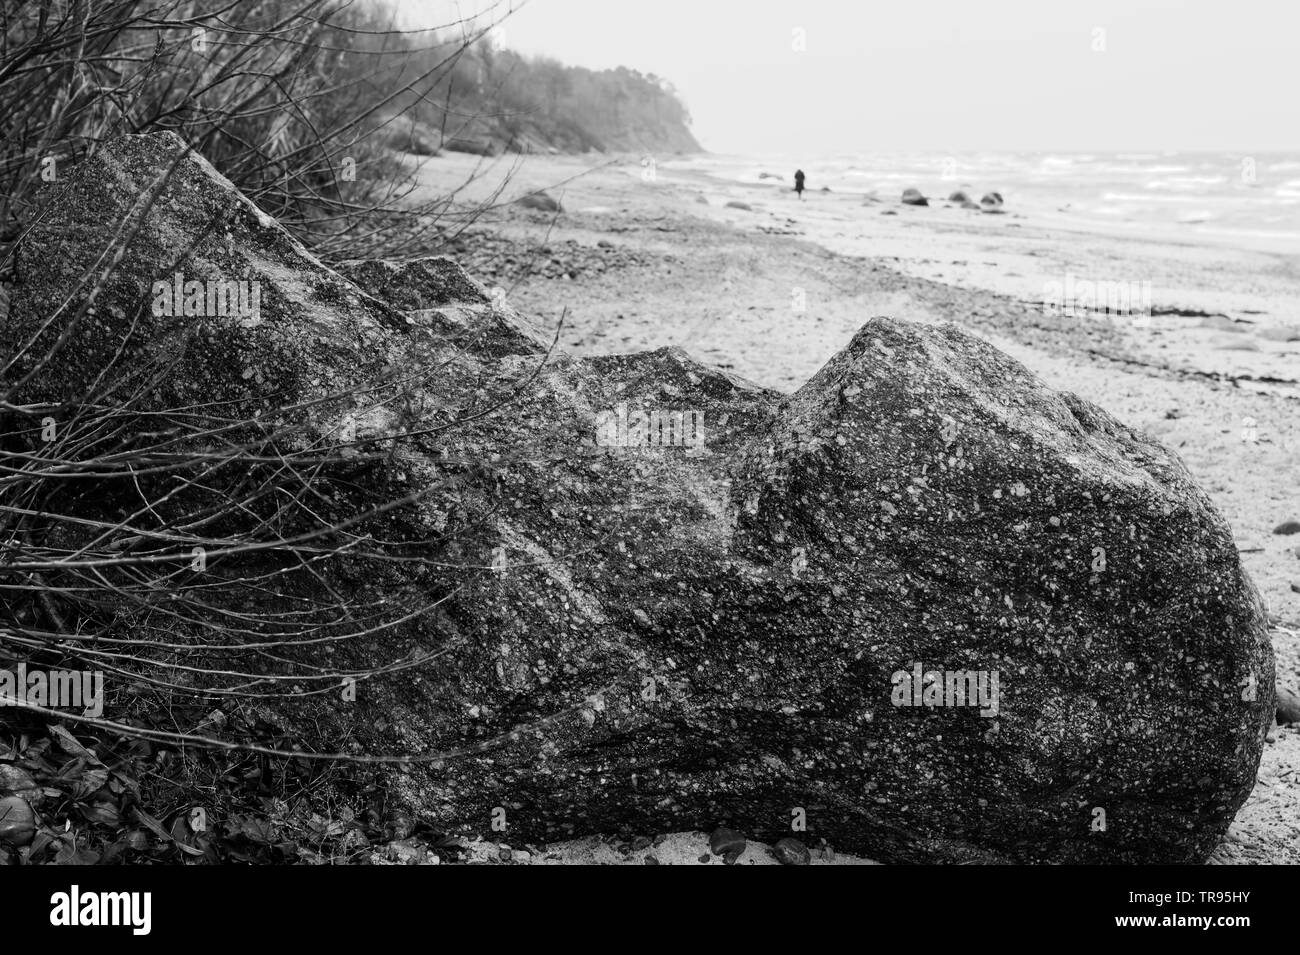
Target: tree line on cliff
(306, 110)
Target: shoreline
(1044, 207)
(635, 265)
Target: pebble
(17, 821)
(727, 843)
(791, 852)
(1287, 527)
(1288, 705)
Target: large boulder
(540, 201)
(408, 135)
(927, 603)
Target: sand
(771, 292)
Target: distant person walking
(798, 183)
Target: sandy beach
(744, 276)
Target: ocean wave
(1186, 182)
(1142, 198)
(1179, 191)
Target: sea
(1221, 195)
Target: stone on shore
(945, 612)
(540, 201)
(1288, 705)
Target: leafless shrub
(296, 106)
(208, 550)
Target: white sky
(949, 75)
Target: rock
(727, 843)
(410, 852)
(539, 201)
(824, 189)
(1238, 345)
(1287, 527)
(779, 575)
(418, 284)
(398, 825)
(412, 136)
(1288, 705)
(888, 212)
(17, 821)
(737, 204)
(991, 199)
(913, 197)
(1221, 323)
(789, 851)
(472, 146)
(1280, 333)
(959, 197)
(448, 302)
(15, 781)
